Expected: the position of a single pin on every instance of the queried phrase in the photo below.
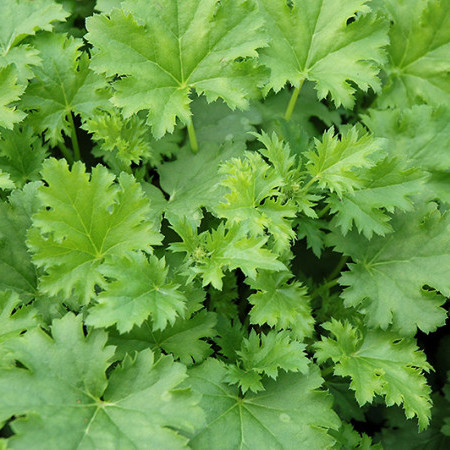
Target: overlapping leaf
(65, 399)
(292, 409)
(84, 219)
(330, 43)
(379, 363)
(63, 85)
(202, 39)
(387, 281)
(140, 289)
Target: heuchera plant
(224, 224)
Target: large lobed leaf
(84, 219)
(166, 51)
(65, 399)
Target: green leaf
(184, 339)
(215, 123)
(189, 190)
(387, 281)
(17, 272)
(67, 400)
(140, 289)
(209, 253)
(63, 86)
(266, 354)
(251, 201)
(10, 92)
(281, 304)
(387, 187)
(314, 41)
(5, 181)
(333, 161)
(86, 218)
(21, 154)
(418, 53)
(201, 40)
(291, 410)
(127, 139)
(14, 318)
(379, 363)
(420, 136)
(22, 18)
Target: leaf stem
(327, 285)
(337, 270)
(323, 211)
(66, 153)
(327, 371)
(76, 147)
(293, 101)
(192, 136)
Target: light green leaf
(140, 289)
(387, 187)
(209, 253)
(379, 363)
(63, 85)
(387, 281)
(201, 40)
(281, 304)
(333, 161)
(10, 92)
(266, 354)
(66, 400)
(86, 218)
(127, 139)
(291, 410)
(22, 18)
(251, 201)
(419, 66)
(313, 40)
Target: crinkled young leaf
(379, 363)
(251, 201)
(201, 40)
(313, 40)
(209, 253)
(63, 85)
(10, 92)
(67, 400)
(128, 139)
(17, 272)
(266, 354)
(387, 280)
(419, 66)
(183, 339)
(22, 18)
(291, 410)
(281, 304)
(86, 218)
(21, 154)
(140, 289)
(334, 159)
(387, 187)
